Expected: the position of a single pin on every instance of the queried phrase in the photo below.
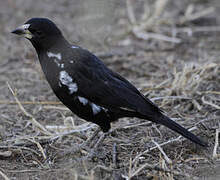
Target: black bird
(86, 86)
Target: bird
(84, 84)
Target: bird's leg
(96, 145)
(84, 145)
(89, 140)
(101, 139)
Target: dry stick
(152, 167)
(170, 97)
(107, 169)
(5, 154)
(19, 147)
(215, 155)
(162, 144)
(37, 124)
(197, 15)
(130, 12)
(114, 155)
(47, 139)
(74, 131)
(85, 168)
(24, 171)
(114, 162)
(210, 103)
(90, 139)
(138, 30)
(66, 129)
(32, 102)
(194, 159)
(168, 160)
(204, 120)
(192, 30)
(79, 147)
(4, 175)
(57, 108)
(159, 7)
(211, 92)
(136, 125)
(39, 147)
(146, 36)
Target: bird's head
(42, 32)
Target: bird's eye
(36, 32)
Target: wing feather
(105, 88)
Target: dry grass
(36, 131)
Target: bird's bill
(23, 31)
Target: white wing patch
(83, 100)
(65, 79)
(57, 56)
(95, 108)
(74, 47)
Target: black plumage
(86, 86)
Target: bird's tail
(166, 121)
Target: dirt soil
(174, 60)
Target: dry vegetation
(168, 49)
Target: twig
(114, 156)
(194, 159)
(203, 120)
(147, 35)
(39, 147)
(168, 160)
(211, 92)
(4, 175)
(5, 154)
(153, 19)
(135, 125)
(210, 103)
(31, 102)
(19, 147)
(153, 167)
(57, 108)
(162, 144)
(37, 124)
(79, 147)
(191, 17)
(24, 171)
(70, 129)
(130, 12)
(170, 97)
(139, 30)
(191, 30)
(197, 105)
(215, 155)
(107, 169)
(74, 131)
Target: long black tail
(166, 121)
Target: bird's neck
(54, 43)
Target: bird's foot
(96, 145)
(89, 144)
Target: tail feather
(166, 121)
(160, 118)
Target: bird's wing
(105, 88)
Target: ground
(168, 49)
